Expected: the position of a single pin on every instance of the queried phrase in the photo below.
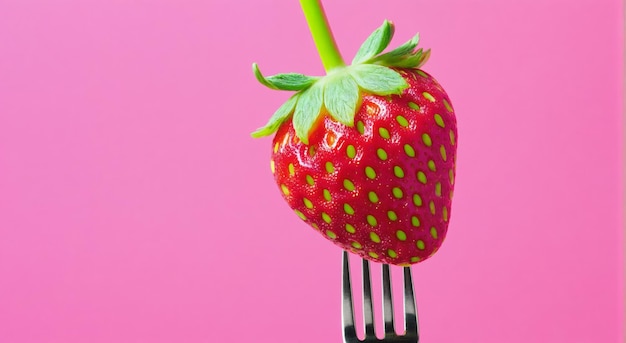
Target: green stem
(322, 36)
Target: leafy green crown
(339, 91)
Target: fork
(411, 331)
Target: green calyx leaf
(401, 51)
(278, 118)
(404, 56)
(286, 82)
(339, 93)
(307, 110)
(341, 97)
(378, 79)
(375, 43)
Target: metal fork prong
(387, 301)
(410, 311)
(347, 310)
(368, 307)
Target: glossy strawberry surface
(381, 188)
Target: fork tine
(368, 310)
(410, 310)
(347, 310)
(387, 301)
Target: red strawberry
(366, 155)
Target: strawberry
(366, 154)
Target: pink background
(134, 206)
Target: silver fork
(411, 331)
